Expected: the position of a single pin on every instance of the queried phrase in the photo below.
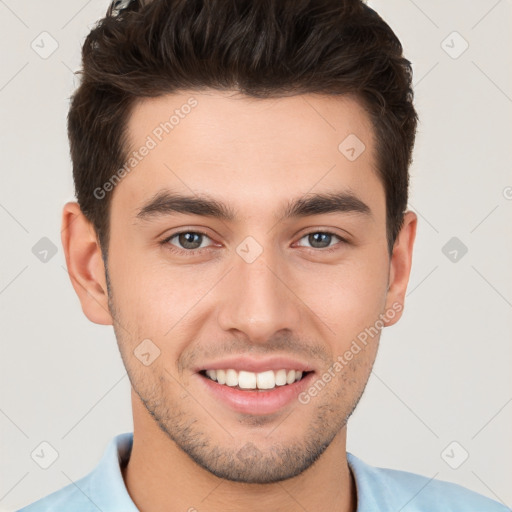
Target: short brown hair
(263, 49)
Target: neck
(161, 477)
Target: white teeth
(221, 376)
(250, 380)
(265, 380)
(231, 378)
(247, 380)
(280, 377)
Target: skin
(190, 450)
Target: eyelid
(179, 250)
(193, 252)
(341, 239)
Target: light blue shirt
(378, 489)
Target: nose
(259, 300)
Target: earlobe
(400, 267)
(85, 264)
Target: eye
(322, 240)
(188, 242)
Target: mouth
(262, 393)
(254, 381)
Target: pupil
(187, 240)
(314, 238)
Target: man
(241, 170)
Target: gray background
(443, 372)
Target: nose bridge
(258, 301)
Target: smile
(245, 392)
(250, 380)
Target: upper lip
(256, 365)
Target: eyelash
(193, 252)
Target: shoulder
(398, 490)
(102, 489)
(71, 497)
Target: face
(276, 283)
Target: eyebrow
(168, 203)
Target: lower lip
(257, 402)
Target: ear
(400, 267)
(85, 264)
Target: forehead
(239, 148)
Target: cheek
(350, 296)
(160, 302)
